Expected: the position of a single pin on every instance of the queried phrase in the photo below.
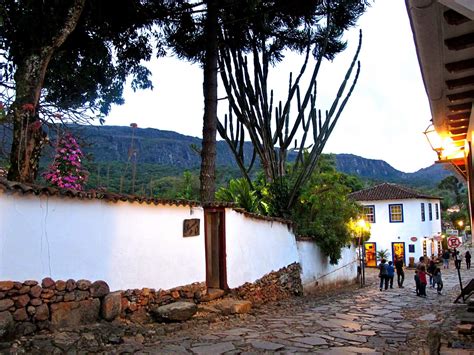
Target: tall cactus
(251, 111)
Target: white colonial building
(405, 222)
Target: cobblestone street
(345, 321)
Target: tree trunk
(28, 136)
(208, 152)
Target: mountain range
(119, 144)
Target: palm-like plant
(383, 254)
(241, 193)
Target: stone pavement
(344, 321)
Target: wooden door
(370, 257)
(216, 276)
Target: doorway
(370, 257)
(398, 250)
(216, 275)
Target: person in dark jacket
(383, 274)
(400, 272)
(390, 273)
(467, 256)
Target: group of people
(422, 273)
(457, 257)
(387, 273)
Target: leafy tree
(325, 212)
(454, 186)
(68, 60)
(66, 171)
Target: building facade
(403, 221)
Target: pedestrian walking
(423, 282)
(390, 273)
(420, 264)
(467, 256)
(383, 274)
(400, 272)
(457, 259)
(437, 280)
(431, 269)
(446, 256)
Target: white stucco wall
(129, 245)
(316, 269)
(256, 247)
(383, 232)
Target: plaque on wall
(191, 227)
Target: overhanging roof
(443, 31)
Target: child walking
(390, 273)
(437, 280)
(423, 282)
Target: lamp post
(362, 225)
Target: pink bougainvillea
(66, 171)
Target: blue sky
(384, 118)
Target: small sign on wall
(191, 227)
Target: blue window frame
(437, 210)
(430, 211)
(369, 212)
(396, 213)
(423, 217)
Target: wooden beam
(457, 131)
(460, 116)
(460, 42)
(458, 137)
(458, 124)
(457, 83)
(461, 96)
(462, 65)
(454, 18)
(460, 107)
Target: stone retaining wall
(274, 286)
(29, 306)
(136, 304)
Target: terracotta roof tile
(24, 189)
(389, 191)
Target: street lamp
(362, 226)
(443, 145)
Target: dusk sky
(385, 116)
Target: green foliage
(324, 210)
(240, 192)
(382, 254)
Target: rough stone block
(70, 285)
(20, 315)
(99, 289)
(231, 306)
(5, 304)
(35, 291)
(22, 301)
(6, 324)
(178, 311)
(36, 301)
(111, 306)
(47, 282)
(60, 285)
(24, 290)
(30, 283)
(71, 314)
(42, 312)
(6, 285)
(83, 284)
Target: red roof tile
(388, 191)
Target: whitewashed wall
(128, 245)
(316, 269)
(256, 247)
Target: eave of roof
(389, 191)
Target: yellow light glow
(449, 150)
(460, 223)
(361, 223)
